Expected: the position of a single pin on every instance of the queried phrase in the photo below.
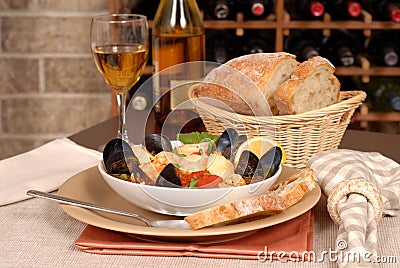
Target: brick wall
(49, 86)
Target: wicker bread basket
(302, 135)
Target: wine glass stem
(121, 102)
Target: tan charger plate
(89, 186)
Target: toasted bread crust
(330, 86)
(279, 197)
(244, 94)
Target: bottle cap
(310, 53)
(395, 14)
(354, 9)
(139, 103)
(346, 56)
(221, 11)
(220, 55)
(391, 58)
(394, 100)
(257, 9)
(317, 9)
(256, 49)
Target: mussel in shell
(268, 164)
(247, 165)
(156, 143)
(254, 170)
(227, 138)
(230, 152)
(169, 177)
(119, 158)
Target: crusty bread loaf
(311, 86)
(279, 197)
(262, 73)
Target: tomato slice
(199, 179)
(208, 180)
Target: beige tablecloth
(37, 233)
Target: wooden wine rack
(281, 22)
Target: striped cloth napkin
(361, 188)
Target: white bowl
(183, 201)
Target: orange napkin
(291, 236)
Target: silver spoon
(172, 224)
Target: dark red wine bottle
(256, 9)
(306, 9)
(221, 45)
(257, 41)
(345, 9)
(384, 9)
(304, 44)
(341, 48)
(383, 48)
(221, 9)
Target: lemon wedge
(258, 145)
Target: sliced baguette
(244, 83)
(311, 86)
(279, 197)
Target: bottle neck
(180, 17)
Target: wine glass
(119, 45)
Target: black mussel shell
(247, 165)
(118, 157)
(268, 164)
(227, 138)
(169, 177)
(156, 143)
(230, 152)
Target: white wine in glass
(119, 44)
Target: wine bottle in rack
(384, 93)
(221, 45)
(341, 47)
(383, 48)
(257, 41)
(220, 9)
(306, 9)
(385, 10)
(345, 9)
(256, 9)
(178, 37)
(304, 43)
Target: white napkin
(44, 168)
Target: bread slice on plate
(243, 83)
(312, 86)
(279, 197)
